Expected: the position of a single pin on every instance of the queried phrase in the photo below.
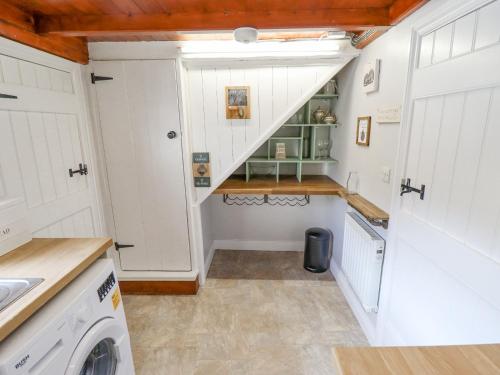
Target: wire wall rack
(233, 200)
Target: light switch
(386, 174)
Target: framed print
(363, 131)
(371, 75)
(237, 102)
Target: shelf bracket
(379, 223)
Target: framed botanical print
(237, 102)
(363, 131)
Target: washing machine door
(98, 352)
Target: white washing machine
(81, 331)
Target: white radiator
(362, 259)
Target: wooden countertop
(288, 185)
(310, 185)
(436, 360)
(367, 208)
(57, 260)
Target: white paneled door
(140, 125)
(446, 261)
(43, 134)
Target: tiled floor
(243, 325)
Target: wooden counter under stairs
(288, 185)
(310, 185)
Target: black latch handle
(119, 246)
(407, 188)
(7, 96)
(83, 170)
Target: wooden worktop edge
(29, 309)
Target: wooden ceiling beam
(19, 26)
(106, 25)
(401, 9)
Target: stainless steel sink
(12, 289)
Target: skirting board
(259, 245)
(159, 287)
(367, 321)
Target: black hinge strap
(7, 96)
(94, 78)
(120, 246)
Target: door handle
(119, 246)
(407, 188)
(82, 171)
(171, 134)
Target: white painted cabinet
(137, 110)
(43, 135)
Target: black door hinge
(94, 78)
(7, 96)
(119, 246)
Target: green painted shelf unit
(305, 133)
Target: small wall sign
(237, 102)
(388, 115)
(201, 169)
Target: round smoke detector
(245, 34)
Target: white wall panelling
(444, 250)
(44, 134)
(276, 93)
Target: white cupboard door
(43, 134)
(445, 265)
(137, 110)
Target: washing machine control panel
(106, 287)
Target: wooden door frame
(193, 230)
(23, 52)
(442, 15)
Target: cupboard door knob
(171, 134)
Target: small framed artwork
(363, 131)
(371, 75)
(237, 102)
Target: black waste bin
(318, 249)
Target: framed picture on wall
(363, 131)
(237, 102)
(370, 76)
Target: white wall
(277, 91)
(207, 228)
(267, 227)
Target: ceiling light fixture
(336, 34)
(231, 49)
(245, 35)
